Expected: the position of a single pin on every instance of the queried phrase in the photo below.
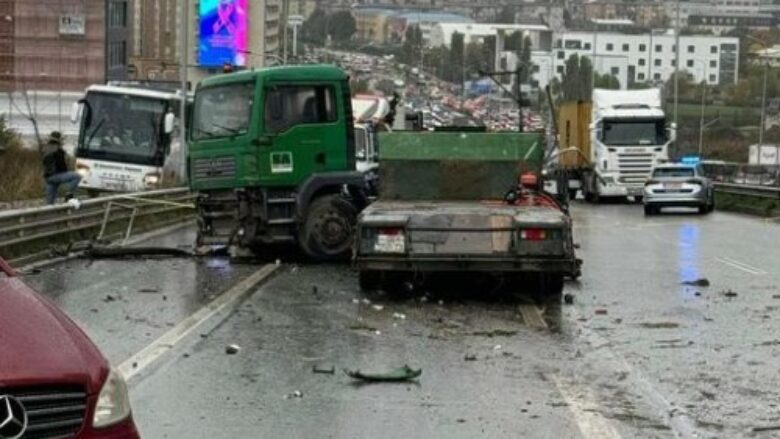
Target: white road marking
(583, 406)
(740, 265)
(227, 301)
(580, 400)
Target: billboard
(223, 32)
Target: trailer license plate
(390, 243)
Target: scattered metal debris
(470, 357)
(232, 349)
(729, 293)
(568, 299)
(659, 325)
(295, 394)
(701, 282)
(495, 333)
(400, 374)
(601, 312)
(331, 371)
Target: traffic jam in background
(297, 258)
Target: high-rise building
(155, 49)
(62, 44)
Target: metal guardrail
(32, 234)
(753, 199)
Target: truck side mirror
(168, 123)
(75, 112)
(672, 132)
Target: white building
(707, 8)
(637, 58)
(441, 34)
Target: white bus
(128, 138)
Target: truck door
(301, 132)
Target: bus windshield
(123, 128)
(633, 132)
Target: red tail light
(533, 234)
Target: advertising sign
(223, 32)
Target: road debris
(109, 298)
(149, 290)
(729, 293)
(295, 394)
(568, 299)
(701, 282)
(400, 374)
(470, 357)
(331, 371)
(601, 312)
(659, 325)
(495, 333)
(103, 252)
(497, 347)
(232, 349)
(399, 316)
(776, 296)
(377, 307)
(766, 428)
(362, 327)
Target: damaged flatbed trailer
(450, 202)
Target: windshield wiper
(92, 136)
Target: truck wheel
(549, 287)
(370, 280)
(328, 229)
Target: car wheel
(649, 210)
(370, 280)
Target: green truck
(272, 159)
(451, 202)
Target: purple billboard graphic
(223, 32)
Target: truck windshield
(123, 128)
(222, 111)
(673, 172)
(635, 132)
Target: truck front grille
(214, 168)
(52, 411)
(634, 167)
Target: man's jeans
(53, 183)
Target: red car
(54, 383)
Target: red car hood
(40, 345)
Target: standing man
(55, 169)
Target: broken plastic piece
(400, 374)
(331, 371)
(701, 282)
(232, 349)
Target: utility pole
(763, 93)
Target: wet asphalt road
(637, 355)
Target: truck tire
(328, 229)
(370, 280)
(549, 287)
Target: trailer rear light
(390, 240)
(540, 234)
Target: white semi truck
(608, 148)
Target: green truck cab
(272, 159)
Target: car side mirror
(168, 123)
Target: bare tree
(28, 112)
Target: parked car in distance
(54, 383)
(678, 185)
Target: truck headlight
(151, 179)
(82, 169)
(390, 240)
(113, 404)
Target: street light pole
(701, 116)
(184, 49)
(763, 93)
(676, 61)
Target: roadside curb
(148, 359)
